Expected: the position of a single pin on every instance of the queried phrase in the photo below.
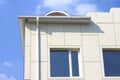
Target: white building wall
(55, 34)
(43, 52)
(27, 58)
(103, 30)
(72, 34)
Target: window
(64, 63)
(111, 62)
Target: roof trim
(57, 19)
(64, 13)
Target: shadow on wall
(91, 28)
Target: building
(58, 46)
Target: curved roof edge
(53, 13)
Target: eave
(49, 19)
(57, 19)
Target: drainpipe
(38, 48)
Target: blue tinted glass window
(111, 63)
(59, 63)
(75, 69)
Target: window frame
(80, 62)
(102, 62)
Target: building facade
(58, 46)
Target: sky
(11, 56)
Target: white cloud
(2, 2)
(38, 9)
(59, 4)
(7, 64)
(56, 3)
(74, 7)
(5, 77)
(83, 9)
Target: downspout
(38, 41)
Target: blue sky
(11, 58)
